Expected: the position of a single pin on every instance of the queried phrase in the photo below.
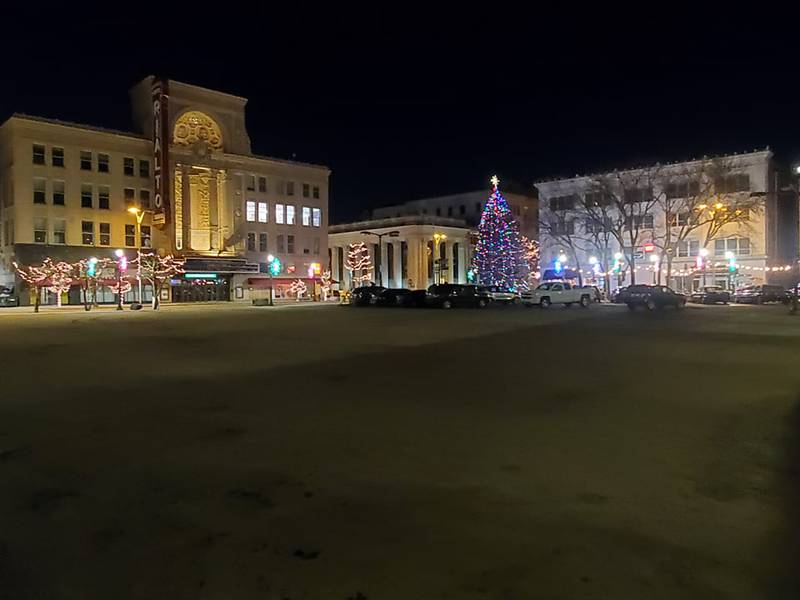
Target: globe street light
(122, 265)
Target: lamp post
(273, 268)
(380, 237)
(655, 260)
(139, 214)
(703, 260)
(437, 238)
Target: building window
(58, 193)
(86, 160)
(263, 212)
(127, 166)
(316, 218)
(643, 221)
(102, 163)
(449, 211)
(38, 154)
(462, 210)
(730, 184)
(262, 242)
(635, 195)
(251, 183)
(290, 214)
(306, 216)
(316, 245)
(679, 219)
(130, 235)
(144, 168)
(290, 188)
(144, 198)
(103, 197)
(306, 190)
(87, 233)
(251, 242)
(57, 157)
(262, 185)
(562, 227)
(438, 211)
(145, 235)
(562, 203)
(281, 248)
(105, 234)
(39, 230)
(86, 195)
(689, 248)
(279, 214)
(315, 191)
(290, 244)
(682, 189)
(250, 211)
(39, 186)
(739, 246)
(59, 231)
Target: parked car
(502, 296)
(759, 294)
(557, 292)
(710, 294)
(619, 295)
(451, 295)
(595, 291)
(7, 297)
(415, 299)
(390, 297)
(362, 296)
(652, 297)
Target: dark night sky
(403, 105)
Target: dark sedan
(652, 297)
(363, 296)
(711, 294)
(390, 297)
(451, 295)
(760, 294)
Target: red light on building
(649, 247)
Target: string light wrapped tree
(298, 288)
(531, 253)
(157, 270)
(56, 276)
(500, 255)
(325, 285)
(358, 263)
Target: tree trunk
(632, 266)
(36, 301)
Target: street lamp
(380, 237)
(437, 237)
(702, 260)
(654, 258)
(273, 268)
(122, 265)
(139, 214)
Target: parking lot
(337, 452)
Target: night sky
(409, 104)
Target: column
(450, 277)
(398, 263)
(415, 282)
(384, 266)
(186, 209)
(213, 212)
(335, 263)
(462, 261)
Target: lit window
(250, 211)
(279, 214)
(39, 190)
(103, 197)
(102, 163)
(38, 154)
(105, 234)
(57, 157)
(86, 160)
(306, 216)
(127, 166)
(87, 233)
(59, 231)
(290, 214)
(58, 193)
(317, 217)
(263, 213)
(39, 230)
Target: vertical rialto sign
(160, 154)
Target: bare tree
(557, 221)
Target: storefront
(201, 287)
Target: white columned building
(405, 253)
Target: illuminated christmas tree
(500, 255)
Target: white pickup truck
(557, 292)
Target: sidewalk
(166, 307)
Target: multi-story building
(412, 251)
(468, 207)
(67, 190)
(675, 218)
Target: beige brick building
(66, 190)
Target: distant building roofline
(398, 222)
(72, 125)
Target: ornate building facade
(71, 191)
